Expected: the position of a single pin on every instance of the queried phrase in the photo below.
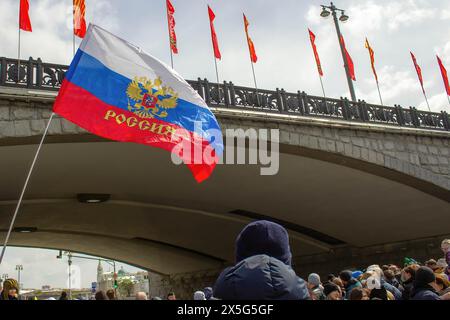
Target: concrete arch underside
(160, 219)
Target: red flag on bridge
(351, 66)
(312, 37)
(444, 75)
(418, 70)
(79, 22)
(251, 46)
(171, 22)
(372, 59)
(215, 43)
(24, 18)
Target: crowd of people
(263, 271)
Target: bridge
(358, 183)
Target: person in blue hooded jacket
(263, 267)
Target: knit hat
(356, 274)
(441, 263)
(314, 279)
(263, 237)
(424, 276)
(345, 275)
(329, 288)
(199, 295)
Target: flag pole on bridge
(372, 62)
(172, 34)
(419, 75)
(215, 43)
(30, 171)
(312, 38)
(25, 25)
(252, 52)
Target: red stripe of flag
(444, 75)
(215, 43)
(24, 18)
(79, 22)
(418, 70)
(251, 45)
(312, 37)
(171, 22)
(351, 66)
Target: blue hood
(263, 237)
(260, 278)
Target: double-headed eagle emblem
(150, 99)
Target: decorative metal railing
(34, 74)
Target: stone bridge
(357, 184)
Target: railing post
(300, 103)
(3, 67)
(225, 92)
(304, 102)
(279, 101)
(362, 108)
(232, 94)
(414, 117)
(200, 88)
(445, 120)
(39, 73)
(400, 116)
(207, 91)
(284, 100)
(345, 108)
(29, 73)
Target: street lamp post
(343, 18)
(19, 268)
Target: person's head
(375, 270)
(358, 294)
(63, 295)
(339, 283)
(171, 296)
(313, 280)
(432, 264)
(442, 282)
(389, 275)
(199, 295)
(111, 294)
(384, 267)
(263, 237)
(445, 245)
(332, 291)
(345, 276)
(425, 276)
(141, 296)
(330, 277)
(10, 288)
(408, 273)
(208, 293)
(100, 295)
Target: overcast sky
(279, 31)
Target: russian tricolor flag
(116, 91)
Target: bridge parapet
(36, 75)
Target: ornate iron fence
(34, 74)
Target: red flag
(251, 46)
(212, 16)
(79, 22)
(444, 75)
(372, 59)
(419, 71)
(24, 18)
(312, 37)
(171, 22)
(351, 66)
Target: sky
(393, 27)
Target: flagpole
(321, 84)
(379, 93)
(217, 71)
(25, 187)
(73, 31)
(18, 58)
(426, 99)
(254, 79)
